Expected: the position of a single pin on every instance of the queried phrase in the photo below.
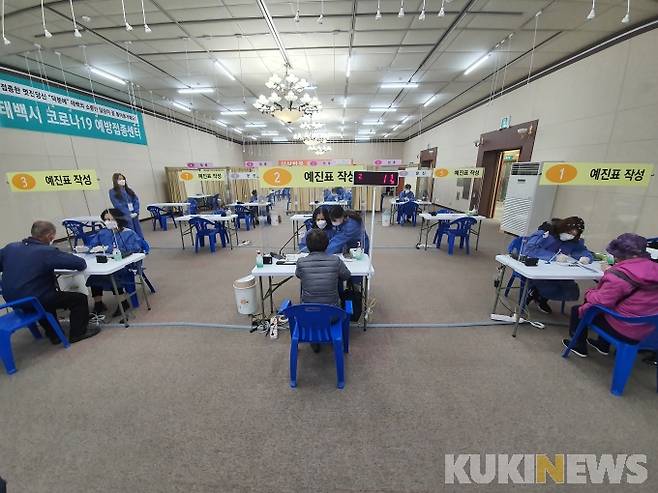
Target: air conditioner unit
(527, 204)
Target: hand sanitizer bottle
(259, 259)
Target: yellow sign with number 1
(53, 181)
(601, 174)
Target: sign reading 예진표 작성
(31, 105)
(601, 174)
(306, 177)
(202, 175)
(53, 180)
(458, 172)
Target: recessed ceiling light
(429, 101)
(104, 74)
(362, 138)
(223, 69)
(279, 139)
(270, 133)
(255, 125)
(252, 137)
(399, 85)
(196, 90)
(181, 106)
(348, 72)
(221, 124)
(372, 123)
(237, 130)
(236, 112)
(478, 62)
(382, 110)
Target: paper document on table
(294, 257)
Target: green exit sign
(505, 122)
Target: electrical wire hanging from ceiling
(125, 20)
(5, 40)
(46, 32)
(76, 31)
(147, 29)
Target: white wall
(360, 152)
(169, 144)
(601, 109)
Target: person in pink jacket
(630, 288)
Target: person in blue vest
(406, 194)
(126, 201)
(320, 221)
(349, 230)
(116, 234)
(28, 269)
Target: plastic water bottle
(259, 259)
(116, 254)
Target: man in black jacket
(28, 270)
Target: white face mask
(121, 183)
(566, 236)
(321, 223)
(111, 224)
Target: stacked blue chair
(407, 211)
(244, 214)
(625, 352)
(76, 230)
(459, 228)
(214, 201)
(205, 228)
(194, 205)
(160, 216)
(25, 312)
(318, 324)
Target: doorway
(425, 186)
(505, 161)
(496, 152)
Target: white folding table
(227, 220)
(422, 204)
(543, 271)
(429, 221)
(329, 204)
(109, 268)
(358, 268)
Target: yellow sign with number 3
(53, 181)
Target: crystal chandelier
(289, 100)
(313, 137)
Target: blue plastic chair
(27, 316)
(159, 216)
(76, 230)
(441, 224)
(245, 214)
(194, 205)
(130, 286)
(308, 223)
(205, 228)
(316, 323)
(407, 210)
(515, 246)
(459, 228)
(214, 201)
(625, 352)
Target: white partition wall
(603, 108)
(169, 144)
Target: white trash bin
(245, 295)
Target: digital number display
(376, 178)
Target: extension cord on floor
(505, 318)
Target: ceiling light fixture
(252, 137)
(321, 12)
(238, 130)
(181, 106)
(279, 139)
(76, 31)
(399, 85)
(236, 112)
(592, 13)
(196, 90)
(345, 102)
(274, 32)
(401, 12)
(372, 123)
(125, 20)
(627, 17)
(349, 66)
(223, 69)
(221, 124)
(378, 15)
(104, 74)
(479, 62)
(269, 134)
(421, 17)
(429, 101)
(382, 110)
(5, 41)
(442, 12)
(147, 29)
(46, 32)
(289, 100)
(362, 138)
(255, 125)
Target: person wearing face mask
(116, 234)
(125, 200)
(406, 195)
(320, 221)
(558, 240)
(28, 270)
(349, 230)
